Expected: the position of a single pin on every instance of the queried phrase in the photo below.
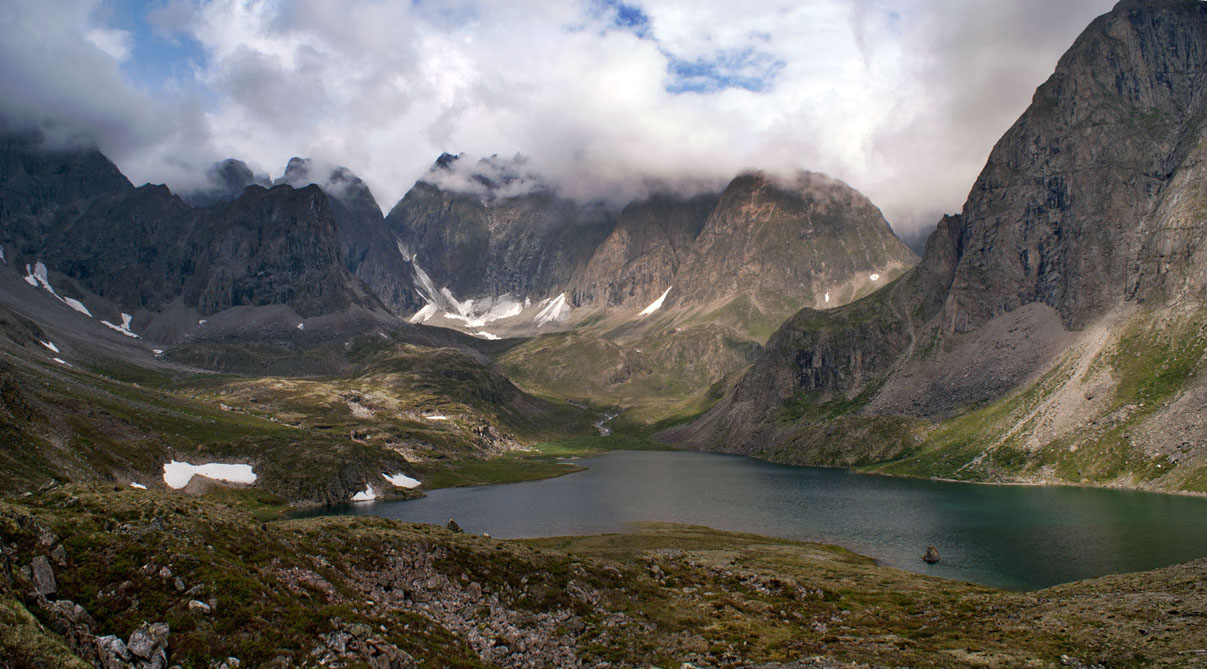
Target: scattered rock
(150, 643)
(112, 652)
(178, 584)
(199, 607)
(453, 526)
(932, 555)
(43, 576)
(59, 555)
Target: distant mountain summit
(147, 253)
(494, 244)
(810, 240)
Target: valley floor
(93, 571)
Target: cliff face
(489, 244)
(1059, 210)
(784, 243)
(1092, 201)
(643, 254)
(144, 248)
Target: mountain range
(1051, 330)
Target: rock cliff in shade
(225, 181)
(370, 250)
(145, 248)
(490, 239)
(1092, 201)
(642, 255)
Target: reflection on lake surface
(1008, 536)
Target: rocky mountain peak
(225, 181)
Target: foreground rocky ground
(114, 578)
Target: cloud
(900, 98)
(62, 71)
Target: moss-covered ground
(659, 595)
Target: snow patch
(50, 345)
(552, 310)
(424, 314)
(301, 326)
(442, 301)
(436, 416)
(366, 495)
(486, 335)
(827, 298)
(178, 474)
(124, 328)
(656, 304)
(62, 362)
(40, 275)
(137, 485)
(77, 305)
(401, 480)
(874, 277)
(2, 258)
(157, 351)
(202, 322)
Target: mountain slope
(1073, 257)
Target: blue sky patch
(744, 68)
(623, 16)
(155, 59)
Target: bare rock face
(370, 250)
(1093, 198)
(492, 237)
(792, 240)
(786, 243)
(644, 252)
(43, 576)
(144, 248)
(1059, 210)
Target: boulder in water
(932, 555)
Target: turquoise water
(1018, 537)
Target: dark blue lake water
(1015, 537)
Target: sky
(902, 99)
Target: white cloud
(900, 98)
(116, 43)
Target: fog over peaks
(902, 99)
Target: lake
(1018, 537)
